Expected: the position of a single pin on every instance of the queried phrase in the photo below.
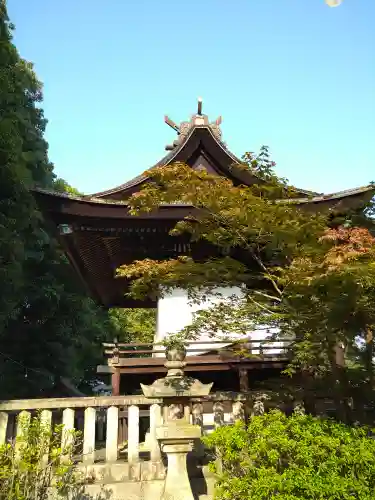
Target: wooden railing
(100, 419)
(236, 347)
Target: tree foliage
(49, 327)
(291, 458)
(133, 325)
(38, 459)
(310, 275)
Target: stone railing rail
(84, 402)
(109, 421)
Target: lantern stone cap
(183, 387)
(176, 384)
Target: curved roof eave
(339, 195)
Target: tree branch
(221, 220)
(271, 297)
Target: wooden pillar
(116, 382)
(339, 355)
(122, 428)
(244, 381)
(100, 422)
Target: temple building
(98, 235)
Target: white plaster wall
(175, 311)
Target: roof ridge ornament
(200, 104)
(333, 3)
(171, 124)
(197, 120)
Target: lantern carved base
(176, 440)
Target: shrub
(292, 458)
(37, 460)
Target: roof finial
(171, 123)
(333, 3)
(199, 106)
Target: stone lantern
(177, 434)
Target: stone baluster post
(299, 408)
(157, 467)
(67, 433)
(46, 421)
(23, 422)
(89, 436)
(187, 413)
(218, 410)
(155, 421)
(133, 442)
(112, 434)
(3, 426)
(258, 408)
(238, 411)
(197, 414)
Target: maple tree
(309, 275)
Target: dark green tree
(23, 163)
(133, 325)
(48, 325)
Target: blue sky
(295, 75)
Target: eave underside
(102, 236)
(96, 253)
(105, 236)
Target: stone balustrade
(103, 419)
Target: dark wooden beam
(201, 360)
(161, 369)
(244, 379)
(146, 368)
(104, 369)
(116, 382)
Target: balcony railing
(246, 348)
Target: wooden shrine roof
(98, 234)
